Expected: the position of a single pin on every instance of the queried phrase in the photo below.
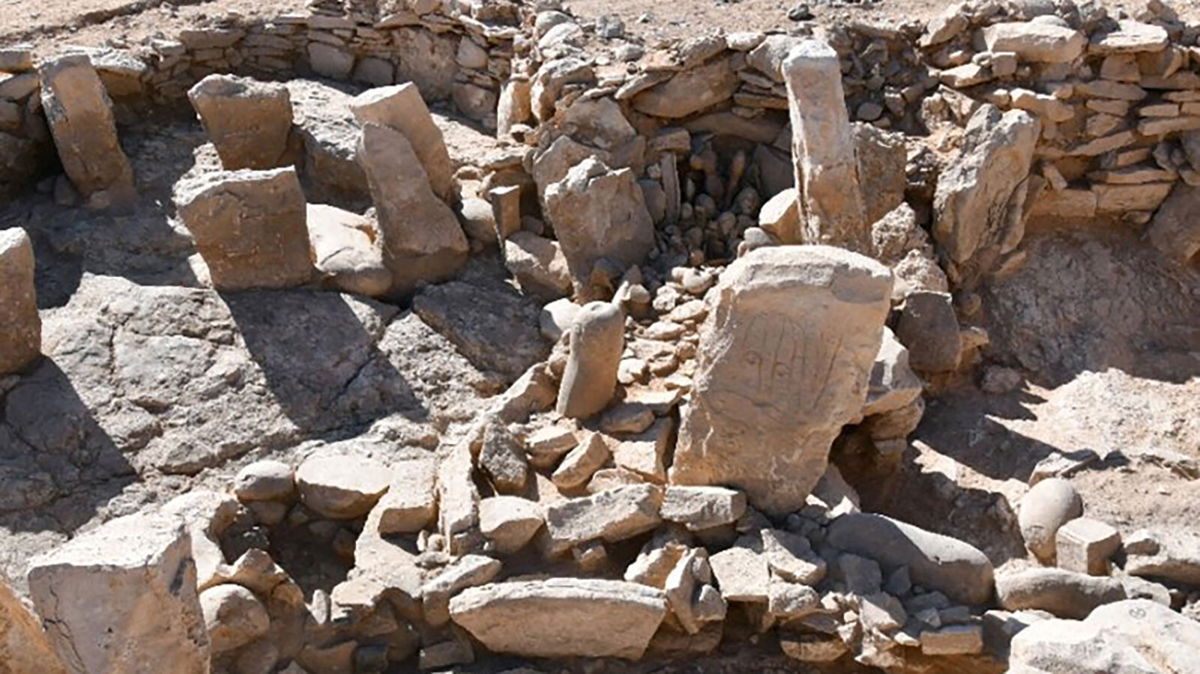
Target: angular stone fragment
(549, 444)
(1175, 230)
(1035, 41)
(422, 240)
(346, 250)
(791, 557)
(24, 645)
(401, 108)
(410, 503)
(509, 521)
(502, 459)
(21, 339)
(233, 616)
(742, 573)
(832, 207)
(597, 340)
(325, 123)
(247, 121)
(893, 384)
(646, 452)
(580, 463)
(980, 200)
(466, 571)
(118, 597)
(612, 515)
(562, 617)
(538, 264)
(786, 601)
(785, 359)
(929, 328)
(953, 640)
(1084, 545)
(1122, 198)
(1130, 37)
(341, 487)
(780, 217)
(689, 91)
(249, 227)
(1064, 593)
(700, 508)
(80, 117)
(1045, 507)
(812, 647)
(934, 561)
(207, 515)
(598, 213)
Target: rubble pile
(685, 279)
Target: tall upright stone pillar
(831, 202)
(21, 334)
(785, 360)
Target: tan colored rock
(690, 91)
(422, 240)
(832, 207)
(24, 645)
(599, 213)
(341, 487)
(645, 453)
(791, 557)
(1120, 199)
(247, 121)
(741, 571)
(611, 515)
(1130, 37)
(1084, 545)
(1174, 231)
(953, 640)
(466, 571)
(538, 264)
(249, 227)
(812, 647)
(458, 497)
(233, 615)
(700, 508)
(401, 108)
(410, 503)
(118, 597)
(207, 515)
(346, 250)
(81, 120)
(590, 378)
(780, 217)
(581, 463)
(785, 360)
(509, 521)
(21, 339)
(265, 481)
(1035, 41)
(1064, 593)
(562, 617)
(515, 105)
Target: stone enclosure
(474, 334)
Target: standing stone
(80, 116)
(402, 108)
(249, 227)
(785, 361)
(248, 121)
(599, 213)
(832, 207)
(21, 338)
(24, 646)
(120, 598)
(979, 207)
(422, 240)
(597, 340)
(515, 105)
(929, 328)
(1048, 505)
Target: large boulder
(119, 597)
(401, 108)
(248, 121)
(21, 339)
(785, 360)
(980, 198)
(562, 617)
(422, 240)
(24, 646)
(249, 227)
(1127, 637)
(81, 120)
(953, 567)
(598, 213)
(327, 126)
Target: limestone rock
(24, 645)
(503, 460)
(1064, 593)
(422, 240)
(346, 250)
(1084, 545)
(324, 121)
(929, 328)
(581, 463)
(265, 481)
(118, 597)
(1167, 554)
(538, 265)
(689, 91)
(598, 213)
(893, 385)
(780, 217)
(700, 508)
(233, 615)
(509, 521)
(1035, 41)
(467, 571)
(742, 572)
(247, 121)
(562, 617)
(1174, 230)
(1126, 637)
(1045, 507)
(341, 487)
(249, 227)
(979, 204)
(611, 515)
(785, 360)
(597, 340)
(791, 557)
(937, 562)
(410, 503)
(881, 156)
(80, 116)
(1130, 37)
(401, 108)
(21, 340)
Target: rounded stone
(1046, 507)
(265, 481)
(233, 616)
(341, 487)
(597, 339)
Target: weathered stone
(24, 645)
(346, 250)
(118, 597)
(21, 340)
(893, 385)
(247, 121)
(549, 444)
(324, 121)
(503, 460)
(953, 640)
(1130, 37)
(1084, 545)
(1064, 593)
(233, 616)
(780, 217)
(207, 514)
(562, 617)
(1127, 637)
(1175, 231)
(786, 601)
(422, 240)
(329, 61)
(401, 108)
(611, 515)
(791, 557)
(580, 463)
(742, 572)
(538, 264)
(597, 340)
(598, 213)
(881, 156)
(861, 576)
(341, 487)
(979, 205)
(700, 508)
(934, 561)
(410, 503)
(515, 105)
(646, 452)
(812, 647)
(1035, 41)
(458, 497)
(80, 117)
(467, 571)
(265, 481)
(831, 202)
(1045, 507)
(757, 399)
(509, 522)
(689, 91)
(249, 227)
(929, 328)
(1119, 199)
